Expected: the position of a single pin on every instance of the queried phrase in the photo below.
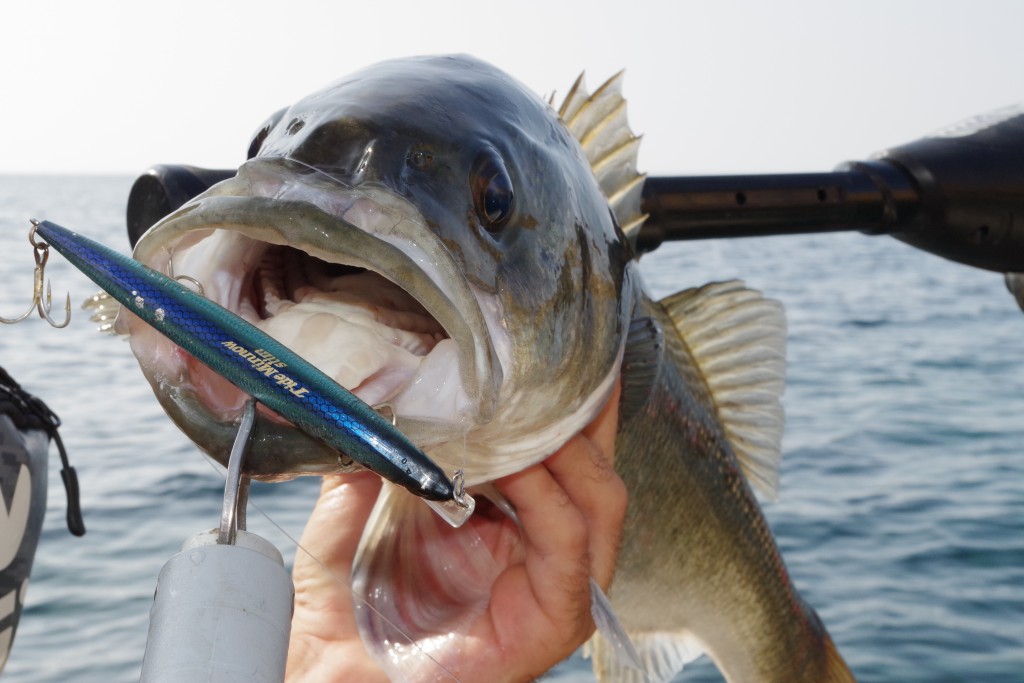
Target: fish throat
(368, 331)
(287, 278)
(359, 327)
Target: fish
(450, 246)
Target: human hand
(571, 509)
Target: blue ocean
(901, 514)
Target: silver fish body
(439, 240)
(699, 570)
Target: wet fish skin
(697, 555)
(552, 296)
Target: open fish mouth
(351, 279)
(298, 297)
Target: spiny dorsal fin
(599, 122)
(738, 339)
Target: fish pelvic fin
(738, 339)
(598, 121)
(661, 655)
(608, 626)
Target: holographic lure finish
(255, 363)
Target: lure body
(255, 363)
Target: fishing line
(340, 580)
(356, 596)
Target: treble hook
(41, 297)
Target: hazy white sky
(714, 87)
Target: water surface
(901, 513)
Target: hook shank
(42, 300)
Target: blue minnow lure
(286, 383)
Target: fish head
(428, 233)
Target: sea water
(901, 514)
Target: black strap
(29, 412)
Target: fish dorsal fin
(738, 339)
(599, 123)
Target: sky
(106, 87)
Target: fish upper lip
(283, 202)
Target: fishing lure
(296, 389)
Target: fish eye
(493, 197)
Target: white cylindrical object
(221, 614)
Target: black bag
(27, 426)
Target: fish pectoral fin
(641, 365)
(738, 339)
(103, 310)
(661, 656)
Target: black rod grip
(864, 198)
(958, 193)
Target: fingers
(603, 428)
(539, 609)
(571, 508)
(323, 637)
(555, 533)
(323, 562)
(585, 472)
(337, 520)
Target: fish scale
(255, 363)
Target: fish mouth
(350, 278)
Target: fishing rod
(957, 193)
